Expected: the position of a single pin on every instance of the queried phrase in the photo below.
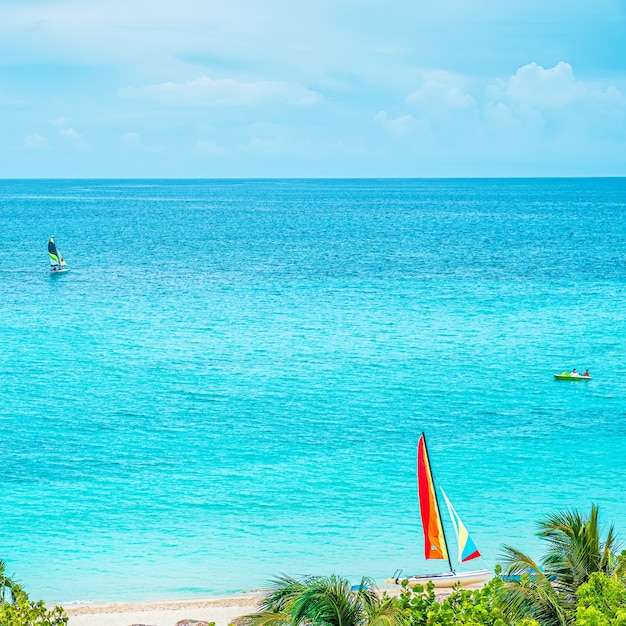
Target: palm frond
(386, 613)
(327, 602)
(8, 587)
(574, 549)
(283, 590)
(534, 599)
(610, 548)
(366, 594)
(517, 563)
(267, 618)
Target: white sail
(467, 548)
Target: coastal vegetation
(579, 581)
(17, 609)
(548, 592)
(327, 600)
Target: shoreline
(221, 610)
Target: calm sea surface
(231, 381)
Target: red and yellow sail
(434, 541)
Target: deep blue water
(231, 381)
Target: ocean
(230, 382)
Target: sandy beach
(222, 611)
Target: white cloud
(500, 117)
(135, 142)
(441, 108)
(132, 139)
(204, 91)
(551, 88)
(77, 140)
(552, 103)
(402, 125)
(70, 133)
(534, 85)
(208, 69)
(535, 110)
(435, 93)
(35, 141)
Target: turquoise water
(231, 381)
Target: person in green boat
(586, 373)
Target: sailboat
(435, 543)
(57, 262)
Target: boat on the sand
(435, 543)
(445, 579)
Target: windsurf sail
(53, 253)
(434, 538)
(57, 262)
(467, 548)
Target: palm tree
(574, 550)
(325, 601)
(8, 587)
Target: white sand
(222, 611)
(219, 610)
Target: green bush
(16, 609)
(25, 612)
(467, 607)
(601, 601)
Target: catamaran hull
(61, 271)
(442, 581)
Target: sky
(312, 88)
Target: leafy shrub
(467, 607)
(601, 601)
(16, 609)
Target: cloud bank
(205, 92)
(532, 110)
(207, 88)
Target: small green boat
(568, 376)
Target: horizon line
(207, 178)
